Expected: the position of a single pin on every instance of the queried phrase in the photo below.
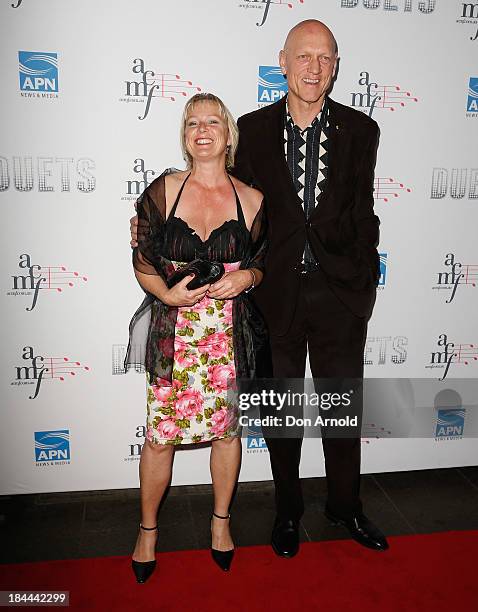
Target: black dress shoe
(143, 569)
(285, 538)
(223, 558)
(362, 530)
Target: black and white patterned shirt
(307, 158)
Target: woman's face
(206, 131)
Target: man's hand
(133, 226)
(230, 285)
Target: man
(314, 161)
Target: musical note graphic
(387, 188)
(61, 367)
(469, 275)
(465, 353)
(284, 2)
(392, 96)
(168, 85)
(58, 277)
(287, 3)
(372, 430)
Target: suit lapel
(281, 173)
(339, 148)
(338, 154)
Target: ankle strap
(148, 528)
(221, 517)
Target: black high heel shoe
(223, 558)
(143, 569)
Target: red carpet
(419, 573)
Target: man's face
(309, 62)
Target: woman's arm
(178, 295)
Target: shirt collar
(288, 118)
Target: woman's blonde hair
(225, 113)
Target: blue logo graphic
(472, 105)
(383, 269)
(450, 423)
(254, 438)
(271, 84)
(38, 71)
(52, 445)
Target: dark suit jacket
(342, 229)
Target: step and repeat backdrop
(91, 102)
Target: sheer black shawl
(152, 328)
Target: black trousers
(335, 339)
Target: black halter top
(226, 244)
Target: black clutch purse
(204, 271)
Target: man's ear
(336, 63)
(282, 61)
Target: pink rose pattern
(195, 407)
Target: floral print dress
(196, 406)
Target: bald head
(308, 60)
(309, 27)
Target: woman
(199, 340)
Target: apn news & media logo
(265, 6)
(38, 369)
(457, 182)
(255, 442)
(472, 101)
(450, 424)
(454, 275)
(49, 174)
(154, 84)
(52, 447)
(135, 187)
(451, 354)
(424, 6)
(469, 15)
(38, 74)
(271, 85)
(383, 271)
(34, 278)
(374, 96)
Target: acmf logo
(38, 368)
(34, 278)
(154, 84)
(373, 95)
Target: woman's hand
(180, 295)
(231, 284)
